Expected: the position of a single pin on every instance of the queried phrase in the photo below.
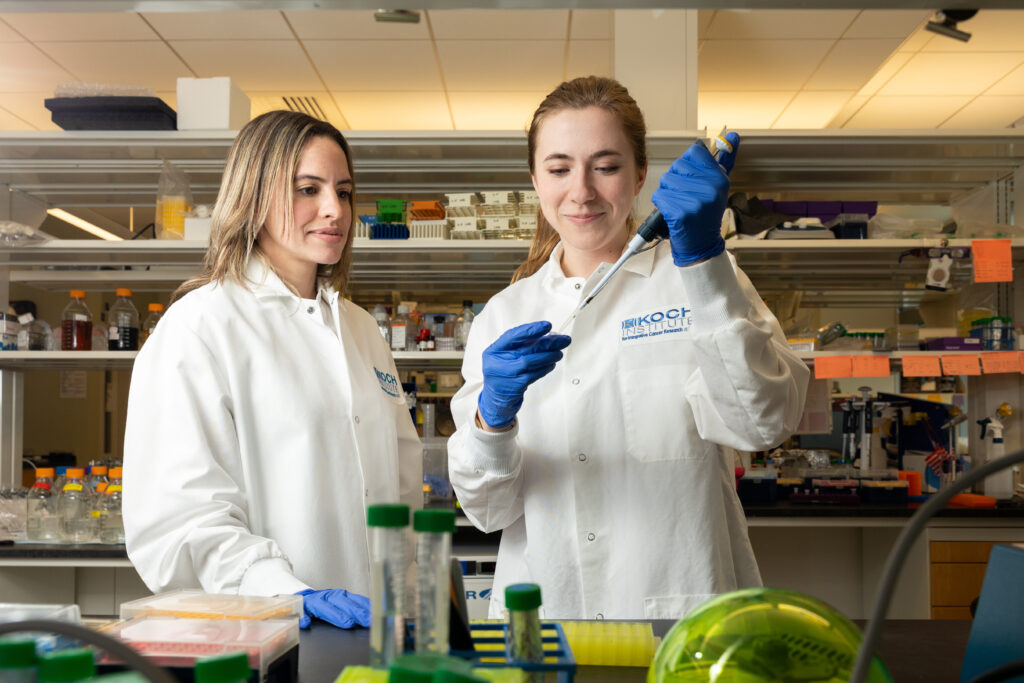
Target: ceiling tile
(396, 64)
(812, 109)
(779, 24)
(989, 111)
(704, 19)
(24, 68)
(8, 34)
(737, 65)
(501, 65)
(905, 112)
(252, 64)
(9, 121)
(395, 110)
(944, 73)
(30, 107)
(494, 111)
(851, 63)
(170, 98)
(917, 41)
(885, 72)
(358, 24)
(149, 64)
(318, 103)
(81, 27)
(751, 109)
(592, 24)
(1011, 84)
(590, 58)
(250, 25)
(478, 24)
(991, 31)
(846, 111)
(886, 23)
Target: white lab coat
(613, 492)
(257, 435)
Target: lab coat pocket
(674, 606)
(659, 423)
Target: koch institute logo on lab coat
(388, 382)
(655, 325)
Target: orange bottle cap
(121, 291)
(77, 294)
(101, 487)
(75, 472)
(156, 307)
(115, 472)
(44, 472)
(98, 469)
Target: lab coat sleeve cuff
(271, 576)
(496, 452)
(715, 291)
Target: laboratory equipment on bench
(1000, 485)
(761, 634)
(868, 423)
(653, 227)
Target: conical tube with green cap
(388, 525)
(434, 529)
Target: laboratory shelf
(67, 360)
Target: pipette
(654, 226)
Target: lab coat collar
(266, 284)
(642, 264)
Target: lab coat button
(591, 537)
(577, 285)
(582, 457)
(575, 380)
(599, 615)
(310, 310)
(356, 419)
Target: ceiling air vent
(306, 105)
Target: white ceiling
(488, 69)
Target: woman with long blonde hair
(602, 461)
(265, 411)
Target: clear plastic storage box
(195, 604)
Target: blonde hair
(259, 169)
(580, 93)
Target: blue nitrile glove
(727, 159)
(692, 197)
(518, 358)
(335, 606)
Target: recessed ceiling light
(84, 225)
(404, 16)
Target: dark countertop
(48, 551)
(784, 508)
(912, 650)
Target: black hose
(1001, 673)
(899, 553)
(111, 646)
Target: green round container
(761, 635)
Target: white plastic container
(211, 104)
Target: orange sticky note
(993, 362)
(921, 366)
(993, 260)
(966, 364)
(826, 367)
(871, 366)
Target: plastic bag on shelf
(14, 234)
(173, 201)
(887, 226)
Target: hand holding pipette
(690, 202)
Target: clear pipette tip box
(176, 642)
(193, 604)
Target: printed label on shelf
(921, 366)
(828, 367)
(966, 364)
(464, 199)
(871, 366)
(496, 198)
(993, 260)
(995, 362)
(498, 223)
(464, 223)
